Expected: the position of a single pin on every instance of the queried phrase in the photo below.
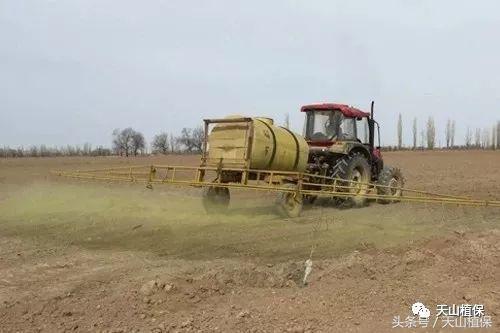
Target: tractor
(341, 143)
(336, 157)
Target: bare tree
(498, 135)
(160, 143)
(485, 139)
(415, 133)
(120, 142)
(126, 138)
(185, 139)
(174, 144)
(400, 131)
(422, 139)
(431, 133)
(468, 137)
(101, 151)
(452, 141)
(286, 123)
(493, 137)
(477, 138)
(87, 149)
(128, 141)
(192, 139)
(447, 133)
(198, 138)
(138, 143)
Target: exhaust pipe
(371, 109)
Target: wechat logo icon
(420, 310)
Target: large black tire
(392, 177)
(353, 167)
(290, 204)
(216, 199)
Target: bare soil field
(100, 257)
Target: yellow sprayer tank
(268, 147)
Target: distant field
(47, 216)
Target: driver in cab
(332, 126)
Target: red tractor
(341, 139)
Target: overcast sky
(72, 71)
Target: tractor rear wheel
(216, 199)
(290, 204)
(393, 178)
(356, 170)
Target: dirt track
(99, 257)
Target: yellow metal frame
(266, 180)
(205, 161)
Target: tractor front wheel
(216, 199)
(354, 174)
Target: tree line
(129, 142)
(47, 151)
(126, 142)
(478, 138)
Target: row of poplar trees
(479, 138)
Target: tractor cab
(327, 124)
(336, 130)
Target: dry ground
(84, 256)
